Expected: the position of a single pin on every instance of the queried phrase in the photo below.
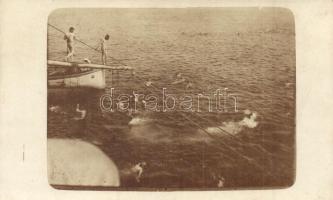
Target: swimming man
(138, 169)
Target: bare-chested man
(70, 37)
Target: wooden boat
(78, 75)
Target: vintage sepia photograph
(159, 99)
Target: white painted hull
(73, 162)
(89, 79)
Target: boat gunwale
(55, 64)
(74, 75)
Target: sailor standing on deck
(103, 48)
(70, 37)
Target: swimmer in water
(54, 109)
(179, 79)
(138, 170)
(221, 181)
(83, 113)
(81, 123)
(57, 109)
(121, 106)
(179, 75)
(148, 83)
(70, 37)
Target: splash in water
(233, 127)
(139, 121)
(57, 109)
